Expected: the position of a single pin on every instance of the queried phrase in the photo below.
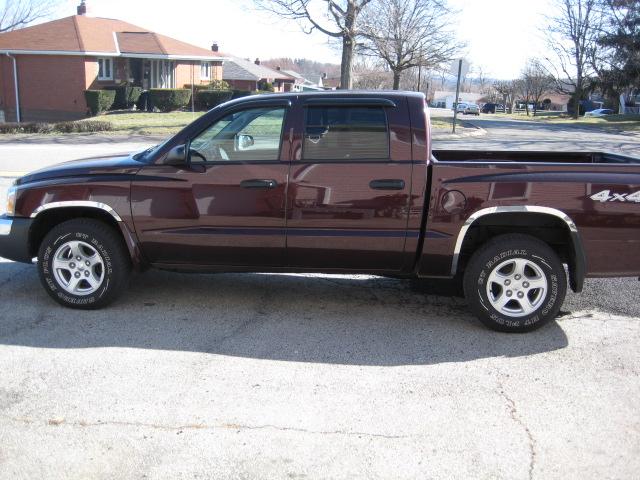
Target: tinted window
(248, 135)
(346, 133)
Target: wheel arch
(49, 215)
(550, 225)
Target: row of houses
(45, 69)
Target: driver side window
(248, 135)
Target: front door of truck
(350, 184)
(226, 206)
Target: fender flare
(577, 270)
(128, 236)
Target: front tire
(83, 264)
(515, 283)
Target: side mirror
(176, 156)
(243, 142)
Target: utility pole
(420, 72)
(455, 102)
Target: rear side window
(345, 133)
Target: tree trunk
(349, 34)
(396, 79)
(577, 95)
(348, 43)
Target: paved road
(311, 376)
(528, 135)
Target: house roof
(294, 74)
(82, 35)
(238, 69)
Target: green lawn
(441, 122)
(144, 123)
(610, 122)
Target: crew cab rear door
(226, 206)
(349, 185)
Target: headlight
(11, 200)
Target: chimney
(257, 61)
(214, 46)
(82, 8)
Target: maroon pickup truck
(340, 182)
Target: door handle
(387, 184)
(258, 183)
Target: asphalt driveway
(292, 376)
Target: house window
(162, 74)
(105, 69)
(205, 70)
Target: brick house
(245, 75)
(55, 62)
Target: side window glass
(248, 135)
(345, 133)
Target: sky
(500, 34)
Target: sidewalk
(79, 139)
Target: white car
(468, 108)
(600, 112)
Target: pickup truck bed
(340, 182)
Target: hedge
(207, 99)
(196, 88)
(169, 99)
(126, 96)
(85, 126)
(99, 101)
(63, 127)
(28, 127)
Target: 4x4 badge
(608, 196)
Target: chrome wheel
(516, 287)
(78, 268)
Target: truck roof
(337, 93)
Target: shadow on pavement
(322, 319)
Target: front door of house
(136, 71)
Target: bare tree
(16, 14)
(572, 36)
(508, 90)
(481, 79)
(534, 84)
(409, 33)
(370, 75)
(336, 18)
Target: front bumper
(14, 238)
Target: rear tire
(515, 283)
(83, 264)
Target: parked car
(599, 112)
(491, 107)
(334, 182)
(468, 108)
